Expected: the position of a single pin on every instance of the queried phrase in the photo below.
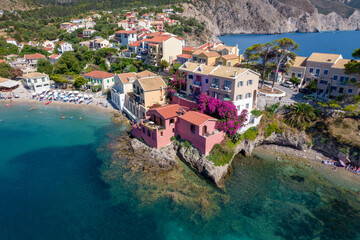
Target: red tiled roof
(54, 56)
(184, 56)
(1, 61)
(180, 38)
(134, 44)
(188, 49)
(125, 77)
(146, 73)
(168, 111)
(159, 39)
(99, 74)
(34, 56)
(48, 48)
(230, 56)
(123, 31)
(10, 39)
(144, 30)
(196, 118)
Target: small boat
(31, 109)
(48, 103)
(71, 117)
(63, 117)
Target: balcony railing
(214, 85)
(197, 83)
(226, 88)
(152, 126)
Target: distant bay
(339, 42)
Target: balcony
(136, 92)
(214, 86)
(197, 83)
(226, 88)
(152, 126)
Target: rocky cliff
(268, 17)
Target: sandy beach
(26, 97)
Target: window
(148, 132)
(239, 97)
(43, 79)
(335, 77)
(143, 129)
(141, 90)
(108, 81)
(192, 128)
(206, 80)
(35, 80)
(299, 75)
(172, 121)
(350, 90)
(173, 130)
(161, 134)
(323, 82)
(191, 77)
(238, 108)
(311, 70)
(333, 88)
(326, 71)
(248, 95)
(240, 84)
(249, 82)
(220, 63)
(134, 86)
(317, 72)
(227, 85)
(215, 83)
(308, 79)
(341, 90)
(229, 64)
(247, 105)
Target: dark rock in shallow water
(297, 178)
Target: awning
(9, 84)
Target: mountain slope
(268, 16)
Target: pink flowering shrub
(225, 112)
(178, 80)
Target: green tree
(67, 63)
(44, 66)
(174, 68)
(59, 80)
(312, 86)
(300, 115)
(284, 52)
(262, 53)
(295, 80)
(164, 64)
(353, 66)
(6, 71)
(79, 81)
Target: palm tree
(300, 115)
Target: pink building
(171, 120)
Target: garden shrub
(220, 155)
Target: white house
(48, 44)
(32, 59)
(88, 32)
(11, 41)
(105, 79)
(77, 20)
(37, 82)
(65, 47)
(54, 58)
(98, 43)
(126, 37)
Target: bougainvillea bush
(225, 112)
(178, 80)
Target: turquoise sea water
(51, 187)
(344, 42)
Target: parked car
(305, 90)
(311, 96)
(287, 84)
(16, 96)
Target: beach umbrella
(342, 163)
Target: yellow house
(228, 60)
(205, 57)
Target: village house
(65, 47)
(66, 25)
(297, 69)
(126, 37)
(158, 25)
(77, 20)
(11, 41)
(98, 16)
(48, 44)
(54, 58)
(88, 32)
(123, 84)
(228, 60)
(188, 50)
(32, 59)
(85, 43)
(238, 85)
(95, 78)
(172, 120)
(126, 24)
(98, 43)
(183, 58)
(205, 57)
(162, 48)
(37, 82)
